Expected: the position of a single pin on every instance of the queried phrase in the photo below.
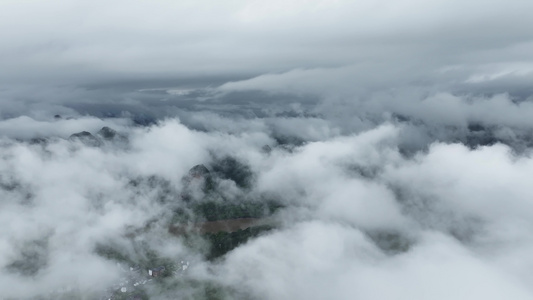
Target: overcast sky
(65, 42)
(89, 56)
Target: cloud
(345, 197)
(24, 127)
(324, 260)
(246, 37)
(391, 139)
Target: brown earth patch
(231, 225)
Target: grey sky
(94, 57)
(58, 42)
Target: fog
(266, 150)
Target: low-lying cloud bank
(359, 218)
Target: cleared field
(231, 225)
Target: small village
(130, 286)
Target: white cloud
(412, 121)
